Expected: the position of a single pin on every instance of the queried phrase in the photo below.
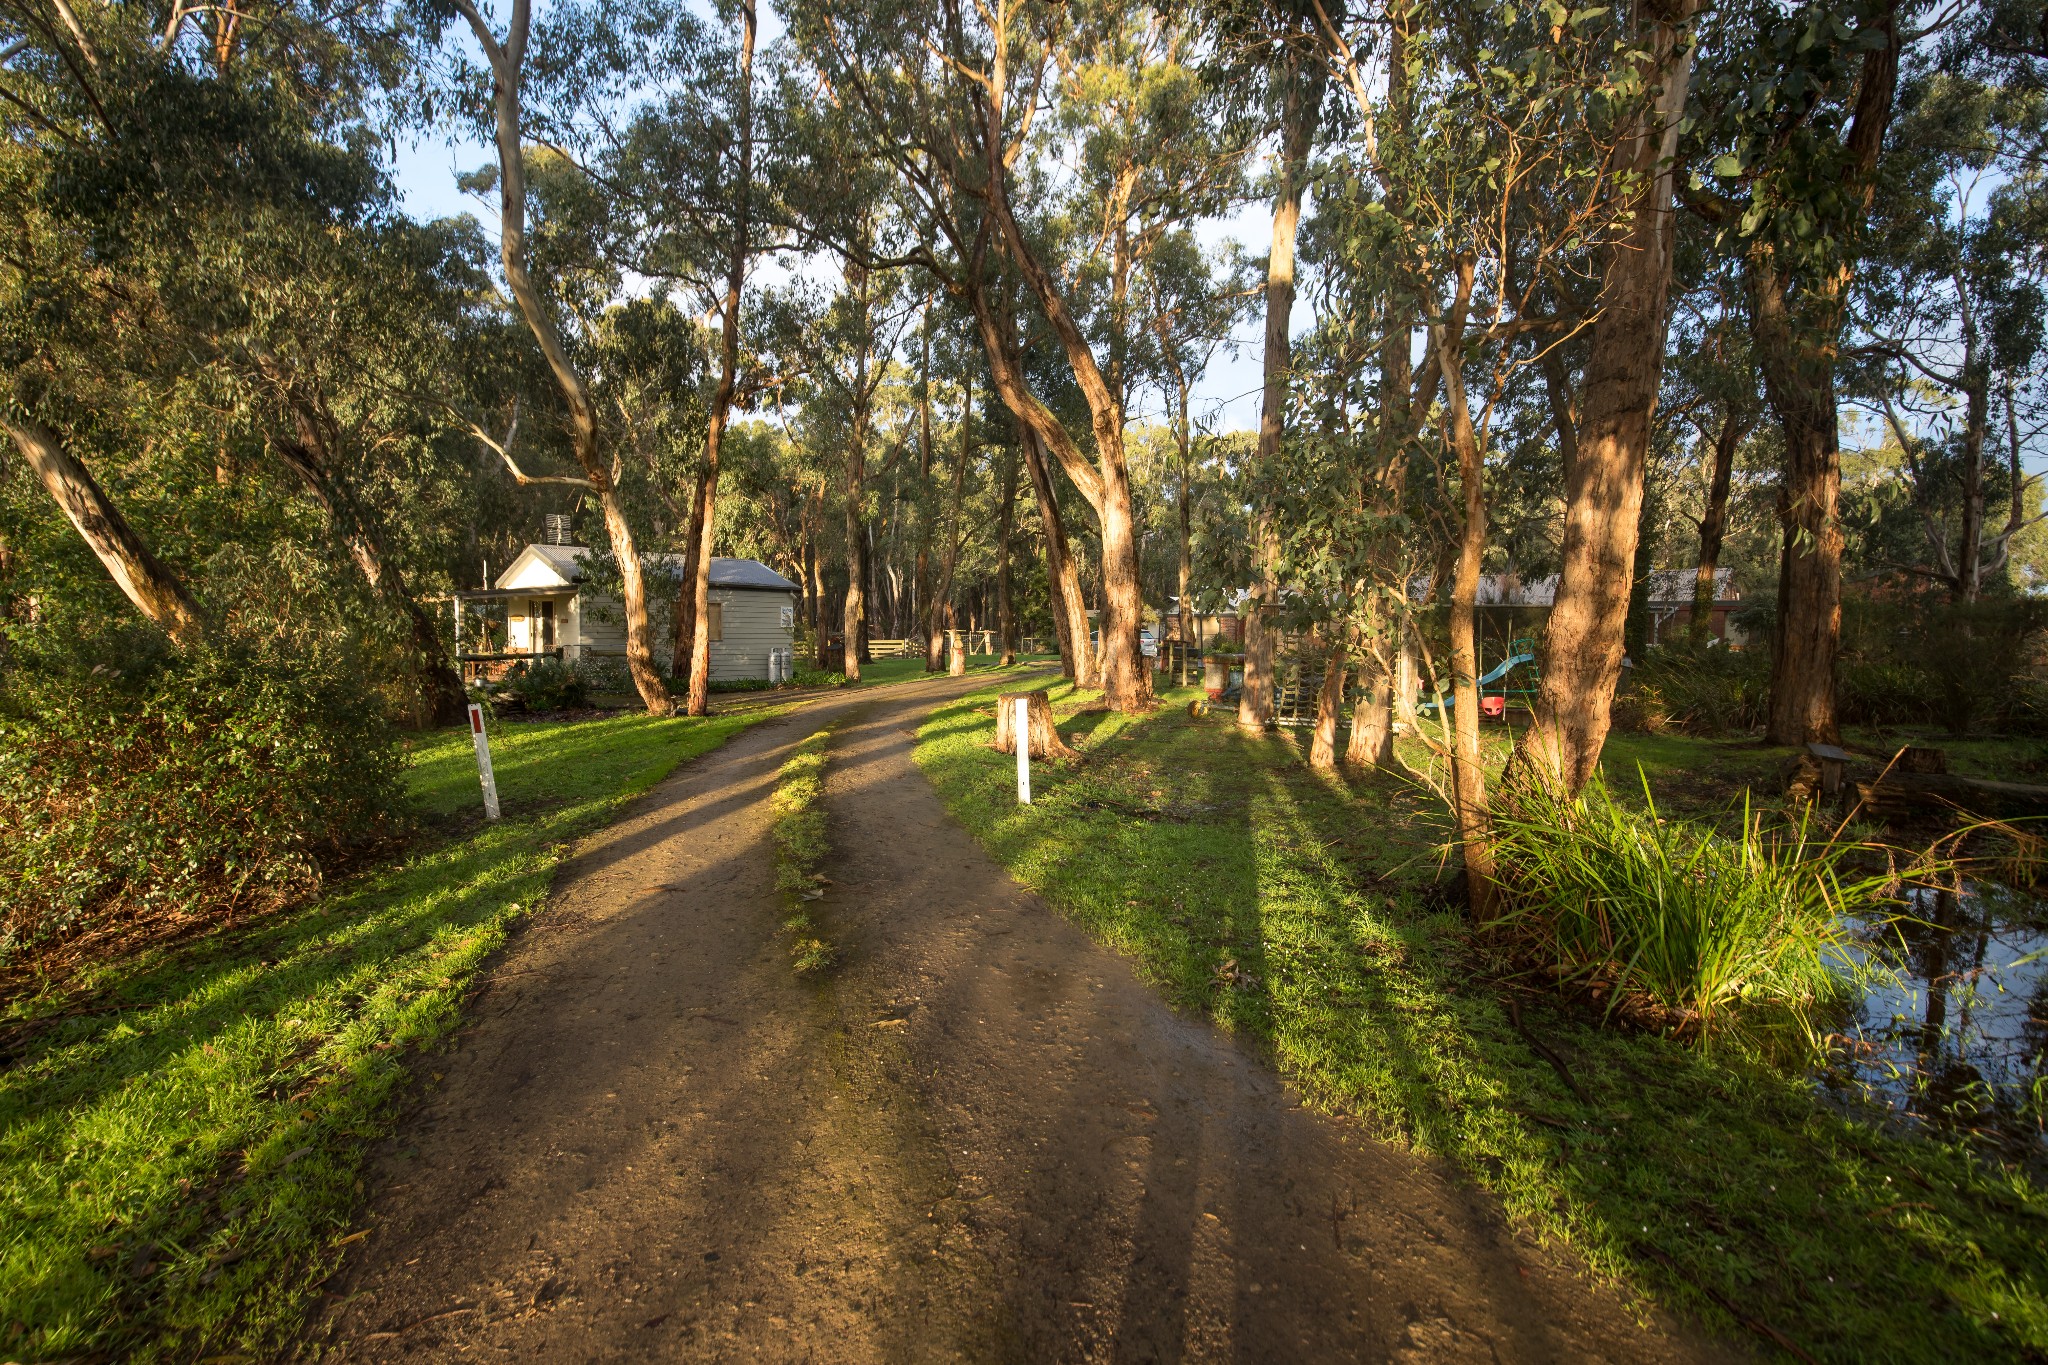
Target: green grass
(800, 848)
(181, 1135)
(1681, 926)
(1295, 910)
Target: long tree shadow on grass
(180, 1153)
(1269, 899)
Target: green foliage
(136, 802)
(551, 685)
(182, 1133)
(1929, 661)
(1695, 689)
(1696, 930)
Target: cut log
(1044, 739)
(1903, 795)
(1915, 758)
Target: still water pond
(1954, 1034)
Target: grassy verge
(800, 848)
(1296, 910)
(180, 1135)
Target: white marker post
(483, 760)
(1023, 751)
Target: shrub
(1702, 690)
(550, 685)
(1679, 925)
(136, 803)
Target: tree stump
(1045, 741)
(1915, 758)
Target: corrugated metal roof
(748, 573)
(725, 572)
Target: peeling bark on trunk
(1582, 641)
(1069, 611)
(143, 578)
(1322, 749)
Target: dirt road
(982, 1138)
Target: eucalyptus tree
(974, 107)
(1636, 108)
(143, 156)
(1789, 117)
(1483, 170)
(691, 207)
(1188, 304)
(588, 59)
(1954, 308)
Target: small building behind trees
(552, 608)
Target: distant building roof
(748, 573)
(1666, 587)
(565, 562)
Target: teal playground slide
(1519, 652)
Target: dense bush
(1703, 690)
(139, 798)
(1917, 661)
(550, 685)
(1681, 926)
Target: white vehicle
(1148, 643)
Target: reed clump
(1702, 932)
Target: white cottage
(753, 610)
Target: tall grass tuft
(1680, 926)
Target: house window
(788, 617)
(715, 627)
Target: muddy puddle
(1952, 1027)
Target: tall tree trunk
(1186, 567)
(1126, 681)
(1976, 426)
(1371, 743)
(1006, 607)
(1582, 643)
(949, 608)
(1714, 524)
(1069, 609)
(683, 616)
(1302, 106)
(1468, 776)
(143, 578)
(704, 514)
(507, 61)
(855, 614)
(1322, 749)
(1796, 343)
(1799, 383)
